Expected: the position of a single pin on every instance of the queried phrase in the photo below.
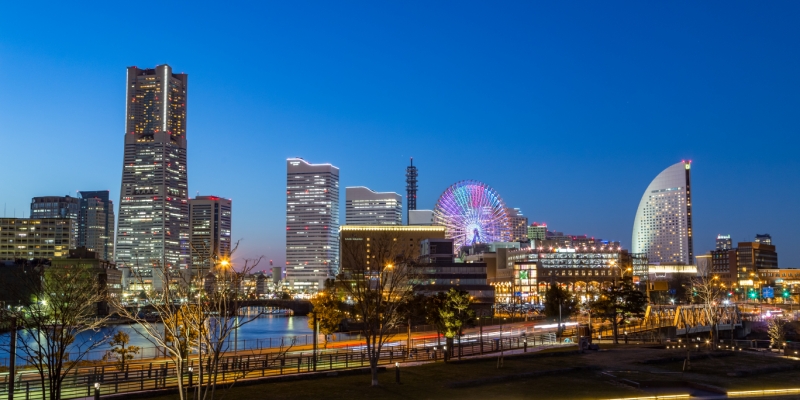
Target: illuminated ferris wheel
(472, 213)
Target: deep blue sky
(568, 110)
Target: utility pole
(12, 361)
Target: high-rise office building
(519, 225)
(312, 224)
(153, 227)
(411, 190)
(724, 242)
(365, 207)
(662, 228)
(96, 223)
(537, 231)
(57, 207)
(763, 239)
(209, 232)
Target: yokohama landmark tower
(153, 206)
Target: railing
(139, 376)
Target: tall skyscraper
(724, 242)
(411, 190)
(57, 207)
(153, 226)
(662, 228)
(365, 207)
(96, 223)
(312, 223)
(519, 225)
(209, 233)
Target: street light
(97, 391)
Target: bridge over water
(297, 307)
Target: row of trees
(59, 326)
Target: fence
(139, 376)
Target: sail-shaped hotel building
(662, 228)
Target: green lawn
(432, 381)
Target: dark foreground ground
(616, 372)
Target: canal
(265, 331)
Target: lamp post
(397, 372)
(97, 391)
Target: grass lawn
(432, 381)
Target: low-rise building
(36, 238)
(109, 278)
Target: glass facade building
(662, 228)
(209, 233)
(57, 207)
(153, 226)
(312, 224)
(96, 223)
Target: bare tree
(378, 277)
(218, 322)
(709, 294)
(173, 332)
(776, 329)
(59, 324)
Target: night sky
(568, 110)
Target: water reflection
(251, 335)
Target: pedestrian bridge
(693, 318)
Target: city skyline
(572, 125)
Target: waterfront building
(420, 217)
(209, 232)
(361, 243)
(740, 267)
(57, 207)
(518, 224)
(96, 223)
(724, 242)
(537, 231)
(153, 228)
(36, 238)
(704, 264)
(365, 207)
(437, 273)
(751, 257)
(662, 228)
(312, 224)
(723, 266)
(526, 273)
(109, 278)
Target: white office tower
(365, 207)
(662, 228)
(420, 217)
(312, 224)
(209, 232)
